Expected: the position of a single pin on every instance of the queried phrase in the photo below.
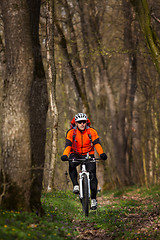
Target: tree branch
(157, 19)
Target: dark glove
(64, 158)
(103, 156)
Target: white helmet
(80, 116)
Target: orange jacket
(82, 143)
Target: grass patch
(60, 208)
(130, 214)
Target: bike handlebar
(84, 159)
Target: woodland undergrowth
(129, 213)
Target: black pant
(91, 168)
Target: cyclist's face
(81, 125)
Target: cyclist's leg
(91, 168)
(72, 170)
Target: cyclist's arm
(96, 142)
(69, 140)
(98, 147)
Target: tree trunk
(24, 108)
(16, 150)
(53, 111)
(81, 93)
(38, 104)
(151, 38)
(130, 40)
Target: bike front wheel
(85, 199)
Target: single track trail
(130, 212)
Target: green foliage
(60, 209)
(125, 214)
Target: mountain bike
(84, 183)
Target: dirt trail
(142, 220)
(89, 231)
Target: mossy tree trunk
(151, 38)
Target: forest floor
(142, 217)
(131, 214)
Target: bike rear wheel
(85, 199)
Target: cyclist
(81, 140)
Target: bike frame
(84, 171)
(84, 182)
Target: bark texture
(24, 107)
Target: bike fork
(81, 186)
